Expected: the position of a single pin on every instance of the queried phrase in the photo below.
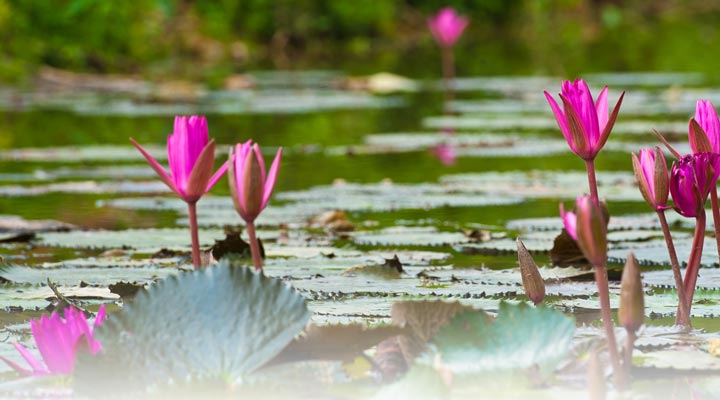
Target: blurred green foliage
(210, 39)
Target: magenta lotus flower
(58, 340)
(447, 26)
(706, 139)
(691, 180)
(652, 176)
(585, 123)
(191, 156)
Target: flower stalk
(588, 227)
(682, 317)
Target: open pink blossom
(250, 185)
(191, 156)
(707, 118)
(447, 26)
(58, 340)
(585, 123)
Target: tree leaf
(521, 337)
(222, 322)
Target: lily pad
(409, 236)
(521, 337)
(147, 240)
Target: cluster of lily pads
(223, 329)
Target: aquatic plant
(692, 178)
(631, 312)
(251, 187)
(588, 226)
(704, 136)
(59, 339)
(532, 281)
(585, 123)
(191, 156)
(444, 152)
(447, 26)
(653, 180)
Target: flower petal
(271, 178)
(201, 173)
(159, 169)
(216, 177)
(34, 363)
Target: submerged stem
(601, 279)
(681, 317)
(592, 182)
(192, 216)
(254, 246)
(693, 267)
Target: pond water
(413, 182)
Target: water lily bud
(632, 297)
(591, 230)
(250, 185)
(652, 176)
(531, 279)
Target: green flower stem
(192, 216)
(254, 246)
(682, 317)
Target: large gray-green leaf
(520, 337)
(221, 323)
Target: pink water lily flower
(691, 180)
(588, 227)
(191, 155)
(707, 139)
(250, 185)
(444, 152)
(58, 340)
(652, 176)
(447, 26)
(569, 220)
(585, 123)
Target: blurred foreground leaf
(520, 337)
(220, 323)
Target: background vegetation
(211, 39)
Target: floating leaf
(521, 337)
(335, 342)
(220, 322)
